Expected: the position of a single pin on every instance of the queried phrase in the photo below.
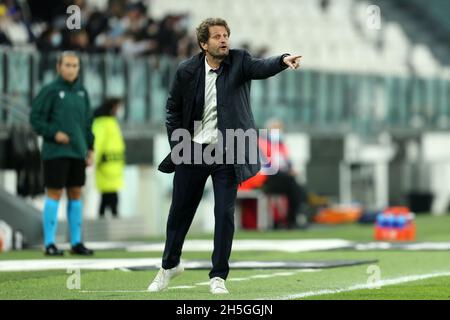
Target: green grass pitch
(333, 283)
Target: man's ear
(204, 45)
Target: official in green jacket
(61, 114)
(109, 154)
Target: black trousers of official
(188, 185)
(109, 200)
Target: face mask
(56, 39)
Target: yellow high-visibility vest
(109, 148)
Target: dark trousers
(109, 200)
(188, 185)
(285, 184)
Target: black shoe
(52, 250)
(80, 249)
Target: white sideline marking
(293, 245)
(302, 245)
(112, 291)
(182, 287)
(419, 246)
(282, 274)
(262, 276)
(85, 264)
(238, 279)
(362, 286)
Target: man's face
(217, 45)
(69, 68)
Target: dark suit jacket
(186, 99)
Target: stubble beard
(218, 56)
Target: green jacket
(109, 154)
(63, 106)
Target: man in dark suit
(211, 89)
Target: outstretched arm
(254, 68)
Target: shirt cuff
(282, 64)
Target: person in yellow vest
(110, 154)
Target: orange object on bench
(338, 215)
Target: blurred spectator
(109, 148)
(134, 40)
(170, 32)
(187, 47)
(117, 8)
(124, 27)
(96, 25)
(78, 41)
(50, 40)
(283, 182)
(14, 29)
(3, 38)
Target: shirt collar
(74, 84)
(208, 67)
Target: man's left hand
(292, 62)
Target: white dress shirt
(207, 133)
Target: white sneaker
(217, 286)
(163, 277)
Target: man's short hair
(67, 54)
(203, 29)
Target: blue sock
(75, 218)
(50, 220)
